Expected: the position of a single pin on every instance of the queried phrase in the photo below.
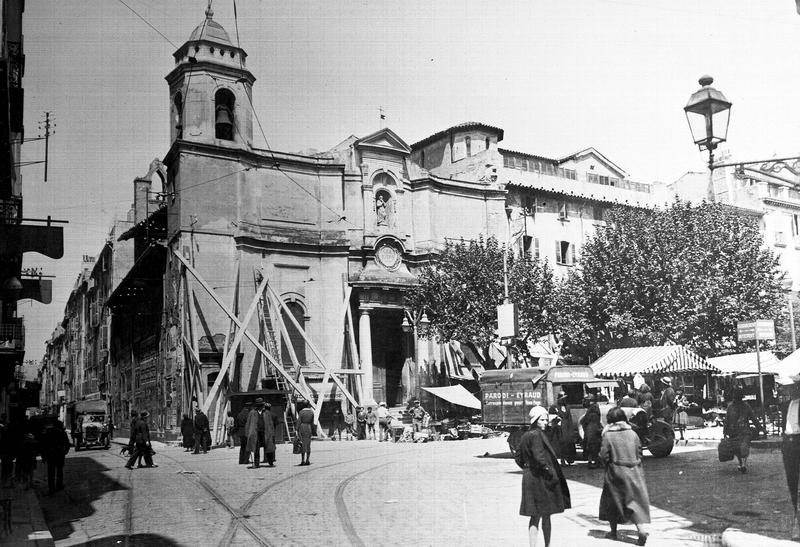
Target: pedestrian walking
(230, 429)
(568, 430)
(624, 497)
(790, 450)
(187, 432)
(241, 429)
(738, 419)
(592, 431)
(305, 430)
(201, 429)
(260, 434)
(667, 399)
(26, 460)
(132, 437)
(361, 422)
(142, 446)
(544, 488)
(349, 423)
(337, 424)
(372, 419)
(384, 422)
(55, 445)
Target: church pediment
(385, 140)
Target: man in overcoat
(200, 431)
(55, 445)
(241, 430)
(143, 447)
(260, 433)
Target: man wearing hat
(384, 420)
(260, 433)
(418, 415)
(201, 431)
(241, 431)
(667, 399)
(142, 443)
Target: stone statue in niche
(381, 212)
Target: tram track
(239, 517)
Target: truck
(91, 425)
(508, 395)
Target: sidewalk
(28, 526)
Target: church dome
(211, 31)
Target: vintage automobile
(508, 395)
(92, 425)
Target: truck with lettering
(507, 397)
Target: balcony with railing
(12, 336)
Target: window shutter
(572, 250)
(536, 248)
(558, 252)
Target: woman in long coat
(738, 419)
(567, 425)
(544, 488)
(624, 498)
(260, 419)
(592, 430)
(305, 430)
(187, 431)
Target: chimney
(141, 187)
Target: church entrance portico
(383, 347)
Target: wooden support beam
(237, 339)
(252, 338)
(311, 344)
(337, 353)
(359, 381)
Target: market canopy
(458, 395)
(649, 360)
(789, 369)
(745, 363)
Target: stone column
(365, 354)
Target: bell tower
(210, 89)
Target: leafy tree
(683, 274)
(460, 290)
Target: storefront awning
(649, 360)
(745, 363)
(457, 395)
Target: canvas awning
(457, 395)
(649, 360)
(745, 363)
(789, 369)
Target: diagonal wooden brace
(278, 366)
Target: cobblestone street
(369, 493)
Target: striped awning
(649, 360)
(746, 363)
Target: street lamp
(708, 114)
(788, 283)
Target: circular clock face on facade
(388, 256)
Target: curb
(733, 537)
(41, 535)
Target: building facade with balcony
(18, 235)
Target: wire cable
(146, 22)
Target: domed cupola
(210, 88)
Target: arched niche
(385, 200)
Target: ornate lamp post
(708, 114)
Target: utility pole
(48, 126)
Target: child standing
(372, 419)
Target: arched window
(223, 111)
(177, 105)
(298, 342)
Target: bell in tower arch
(224, 123)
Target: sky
(557, 75)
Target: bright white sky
(556, 75)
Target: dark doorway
(388, 355)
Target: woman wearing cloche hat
(544, 488)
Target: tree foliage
(683, 274)
(459, 292)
